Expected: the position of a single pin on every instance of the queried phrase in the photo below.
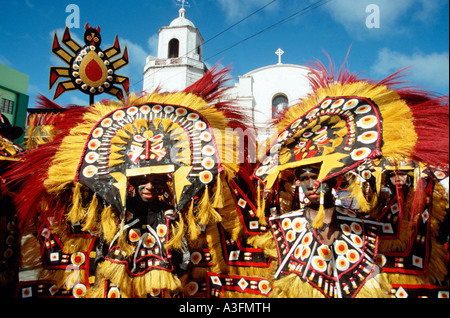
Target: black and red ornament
(90, 69)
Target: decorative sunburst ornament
(90, 69)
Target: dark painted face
(149, 187)
(307, 177)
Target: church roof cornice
(277, 66)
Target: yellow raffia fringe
(193, 230)
(230, 216)
(108, 222)
(318, 220)
(206, 213)
(215, 245)
(76, 212)
(356, 193)
(91, 217)
(217, 198)
(138, 286)
(260, 206)
(175, 242)
(292, 286)
(265, 242)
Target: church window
(174, 46)
(279, 104)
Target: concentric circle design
(193, 116)
(118, 115)
(181, 112)
(208, 163)
(342, 263)
(205, 136)
(169, 109)
(286, 224)
(350, 104)
(134, 235)
(340, 247)
(91, 157)
(325, 103)
(89, 171)
(368, 137)
(264, 286)
(360, 153)
(290, 236)
(357, 240)
(98, 132)
(356, 228)
(319, 264)
(205, 177)
(196, 257)
(325, 252)
(79, 291)
(363, 109)
(113, 292)
(145, 109)
(208, 150)
(352, 256)
(93, 144)
(161, 229)
(77, 259)
(367, 122)
(192, 288)
(149, 241)
(131, 111)
(298, 225)
(157, 109)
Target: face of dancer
(149, 187)
(399, 178)
(307, 179)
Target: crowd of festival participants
(145, 197)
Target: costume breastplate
(337, 270)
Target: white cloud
(134, 70)
(429, 70)
(152, 44)
(75, 100)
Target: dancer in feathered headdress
(350, 135)
(134, 199)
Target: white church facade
(261, 93)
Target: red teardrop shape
(93, 70)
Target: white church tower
(179, 61)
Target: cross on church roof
(183, 3)
(279, 52)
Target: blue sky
(410, 33)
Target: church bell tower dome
(181, 20)
(179, 62)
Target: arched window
(279, 103)
(174, 46)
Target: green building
(13, 97)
